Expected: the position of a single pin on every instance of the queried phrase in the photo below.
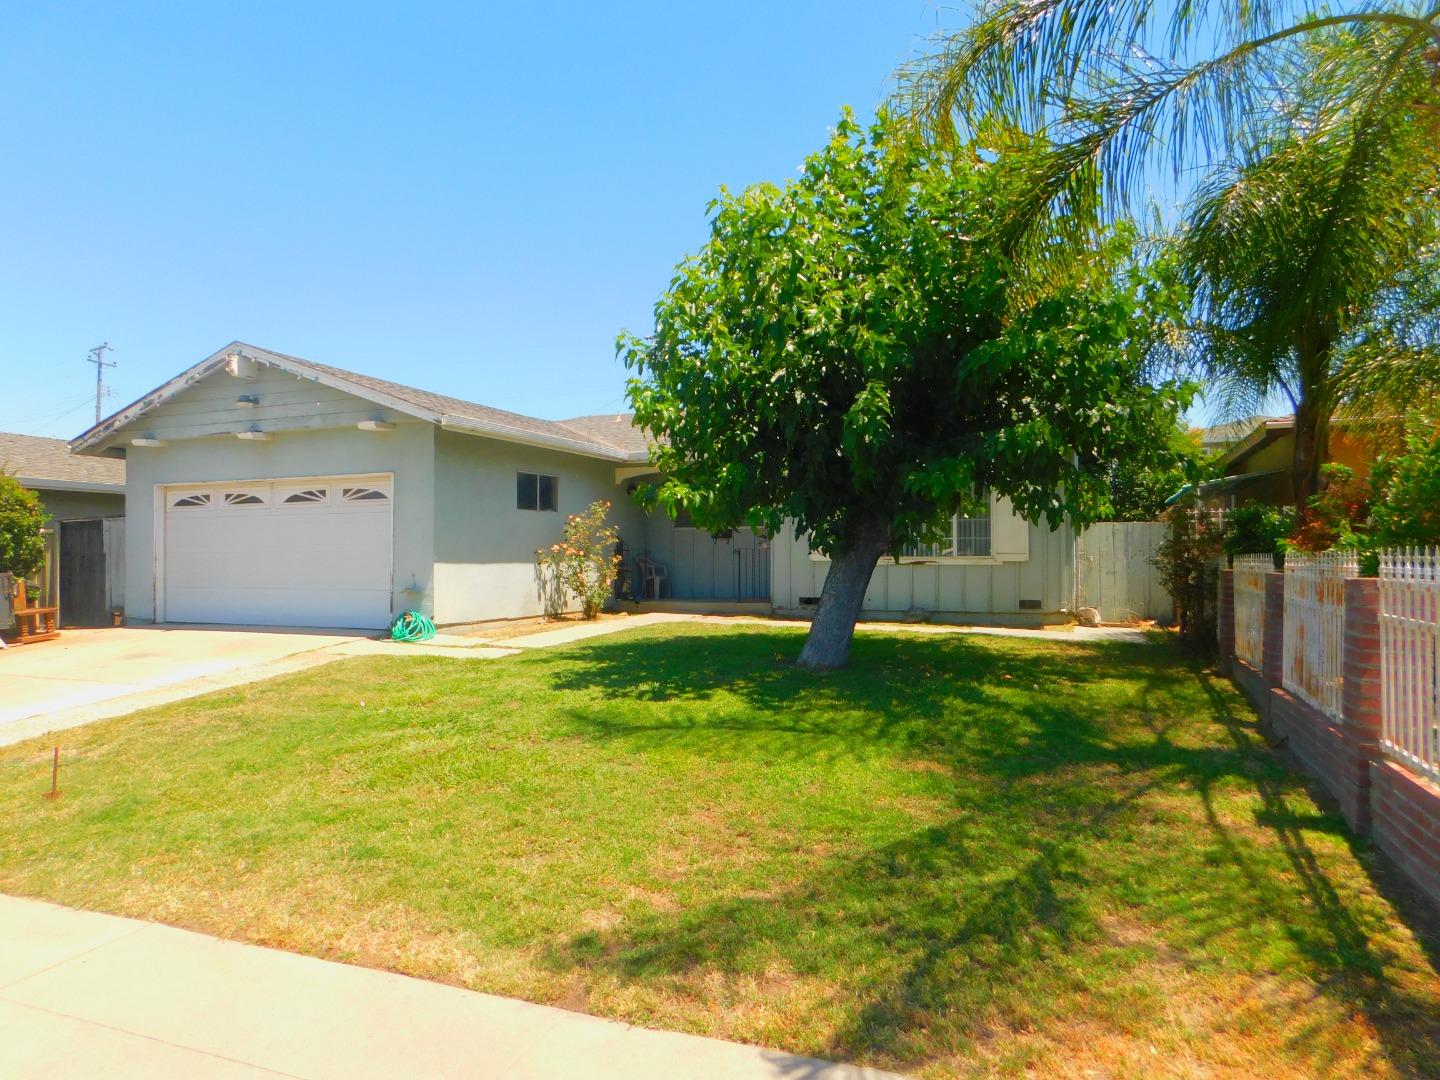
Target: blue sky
(472, 198)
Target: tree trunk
(1312, 450)
(828, 645)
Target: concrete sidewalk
(90, 995)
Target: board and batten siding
(485, 565)
(1038, 588)
(699, 566)
(283, 402)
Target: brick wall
(1225, 623)
(1252, 684)
(1405, 823)
(1273, 649)
(1399, 810)
(1327, 752)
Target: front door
(82, 574)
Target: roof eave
(468, 425)
(98, 438)
(36, 483)
(1262, 436)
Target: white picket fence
(1315, 627)
(1410, 659)
(1250, 571)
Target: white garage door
(311, 552)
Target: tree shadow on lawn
(1005, 909)
(1341, 938)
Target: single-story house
(265, 489)
(85, 498)
(1256, 456)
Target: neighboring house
(266, 489)
(1256, 460)
(85, 498)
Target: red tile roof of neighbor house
(49, 464)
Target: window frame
(539, 479)
(991, 559)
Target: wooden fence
(1116, 572)
(1410, 659)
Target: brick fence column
(1273, 650)
(1360, 695)
(1360, 692)
(1226, 620)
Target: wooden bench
(35, 624)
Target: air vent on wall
(1029, 605)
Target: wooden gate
(1115, 571)
(82, 574)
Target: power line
(35, 414)
(35, 426)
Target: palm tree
(1319, 138)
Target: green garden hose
(412, 626)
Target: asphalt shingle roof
(614, 430)
(35, 459)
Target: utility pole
(97, 357)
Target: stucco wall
(484, 546)
(81, 505)
(983, 591)
(407, 451)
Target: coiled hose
(412, 626)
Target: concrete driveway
(88, 674)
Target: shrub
(585, 562)
(1189, 566)
(1336, 517)
(22, 528)
(1257, 529)
(1406, 508)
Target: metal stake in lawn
(54, 792)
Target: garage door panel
(324, 563)
(277, 607)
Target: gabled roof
(48, 465)
(1263, 434)
(617, 442)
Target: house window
(199, 499)
(536, 491)
(242, 498)
(969, 538)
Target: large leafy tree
(854, 353)
(1140, 488)
(1318, 140)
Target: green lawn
(961, 855)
